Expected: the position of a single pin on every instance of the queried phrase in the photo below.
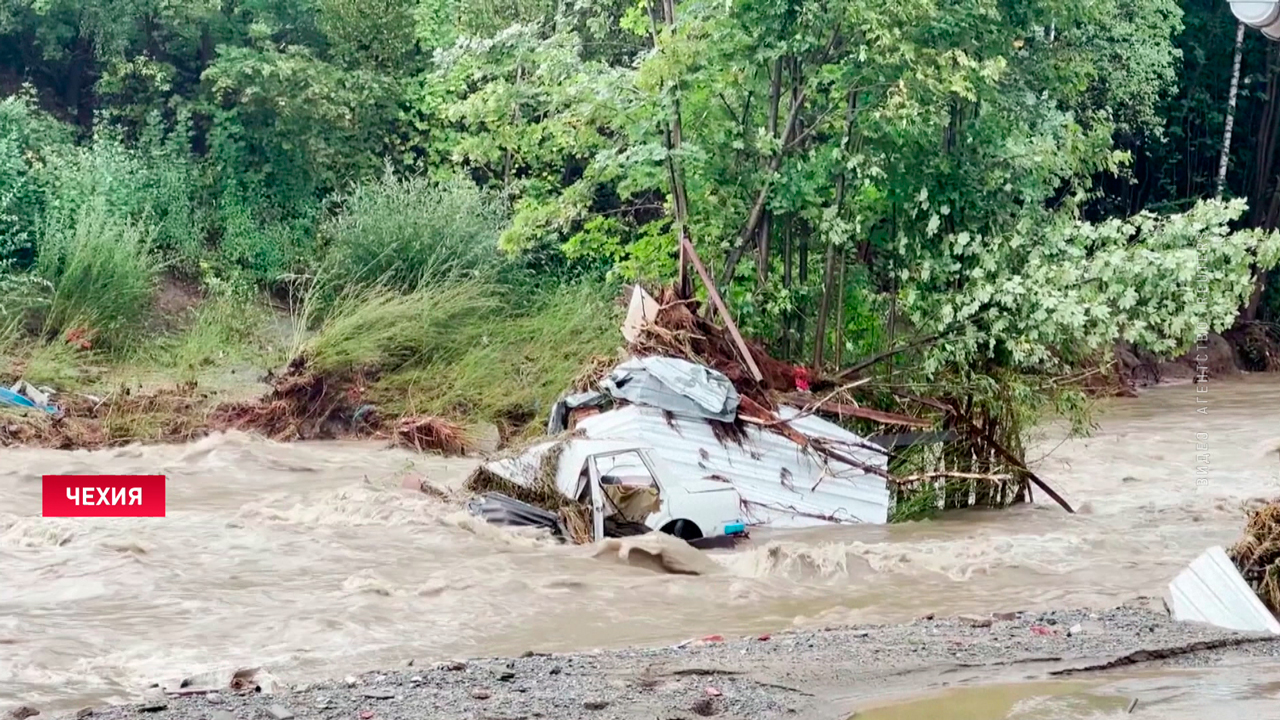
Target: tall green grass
(102, 272)
(373, 327)
(516, 363)
(407, 232)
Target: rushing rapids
(312, 560)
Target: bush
(102, 272)
(256, 245)
(26, 136)
(407, 232)
(154, 185)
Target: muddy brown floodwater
(310, 560)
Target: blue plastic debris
(735, 529)
(9, 397)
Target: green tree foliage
(852, 172)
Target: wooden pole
(692, 254)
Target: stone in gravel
(555, 670)
(713, 692)
(379, 694)
(481, 694)
(214, 698)
(366, 714)
(416, 679)
(706, 707)
(221, 715)
(507, 676)
(977, 621)
(454, 666)
(1075, 630)
(1005, 616)
(153, 700)
(279, 712)
(84, 713)
(595, 704)
(22, 712)
(350, 680)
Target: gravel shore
(794, 674)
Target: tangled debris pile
(1257, 554)
(301, 405)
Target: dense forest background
(995, 188)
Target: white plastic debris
(1210, 590)
(642, 310)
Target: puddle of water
(1013, 701)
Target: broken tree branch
(692, 255)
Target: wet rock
(379, 694)
(22, 712)
(978, 621)
(481, 694)
(84, 713)
(279, 712)
(153, 701)
(595, 704)
(408, 663)
(1129, 479)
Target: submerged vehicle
(662, 448)
(626, 486)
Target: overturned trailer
(662, 447)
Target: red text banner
(103, 496)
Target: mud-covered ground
(803, 674)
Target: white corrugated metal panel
(782, 484)
(1211, 590)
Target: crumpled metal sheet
(1211, 590)
(558, 422)
(674, 385)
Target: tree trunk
(829, 266)
(788, 321)
(1231, 113)
(673, 136)
(839, 356)
(762, 237)
(1264, 158)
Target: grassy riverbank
(466, 351)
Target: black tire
(684, 529)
